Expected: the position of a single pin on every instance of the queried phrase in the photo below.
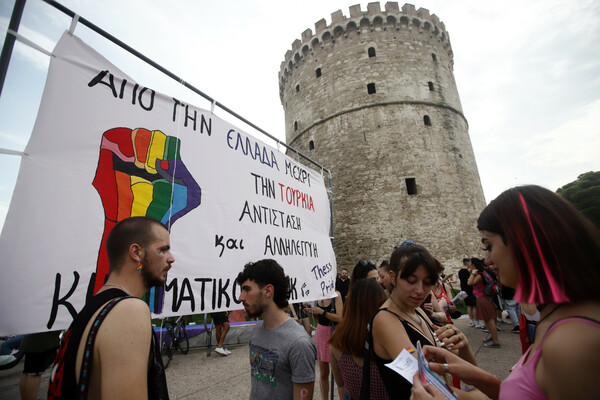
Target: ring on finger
(455, 332)
(446, 368)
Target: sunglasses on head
(366, 262)
(404, 244)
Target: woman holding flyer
(399, 324)
(548, 251)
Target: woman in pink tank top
(549, 252)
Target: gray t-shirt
(278, 358)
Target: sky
(528, 72)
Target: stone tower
(372, 97)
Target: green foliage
(584, 194)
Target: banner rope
(29, 43)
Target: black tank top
(396, 386)
(323, 320)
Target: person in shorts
(221, 321)
(40, 351)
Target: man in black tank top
(110, 349)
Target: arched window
(427, 120)
(297, 88)
(433, 57)
(295, 125)
(371, 52)
(311, 145)
(371, 88)
(430, 86)
(318, 72)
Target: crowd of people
(540, 264)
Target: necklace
(415, 319)
(550, 313)
(418, 321)
(119, 286)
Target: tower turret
(373, 98)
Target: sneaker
(479, 325)
(492, 345)
(7, 359)
(486, 330)
(498, 328)
(487, 339)
(516, 329)
(221, 351)
(472, 323)
(226, 351)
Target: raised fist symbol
(140, 173)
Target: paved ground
(196, 376)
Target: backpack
(491, 287)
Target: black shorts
(37, 363)
(219, 318)
(470, 300)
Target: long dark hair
(365, 297)
(555, 249)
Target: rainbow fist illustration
(140, 173)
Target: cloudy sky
(528, 72)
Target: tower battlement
(391, 18)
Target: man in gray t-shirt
(282, 355)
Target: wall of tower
(374, 143)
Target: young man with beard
(342, 284)
(112, 336)
(282, 355)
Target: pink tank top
(521, 383)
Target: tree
(584, 194)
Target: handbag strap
(88, 352)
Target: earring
(139, 269)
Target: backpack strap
(88, 352)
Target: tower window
(318, 72)
(433, 56)
(427, 120)
(411, 186)
(297, 88)
(295, 125)
(430, 86)
(371, 52)
(371, 88)
(311, 145)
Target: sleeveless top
(352, 377)
(396, 386)
(478, 289)
(63, 383)
(521, 383)
(443, 295)
(323, 320)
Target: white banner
(105, 148)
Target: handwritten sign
(105, 148)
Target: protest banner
(105, 148)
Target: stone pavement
(198, 376)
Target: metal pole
(9, 40)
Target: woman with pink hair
(550, 253)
